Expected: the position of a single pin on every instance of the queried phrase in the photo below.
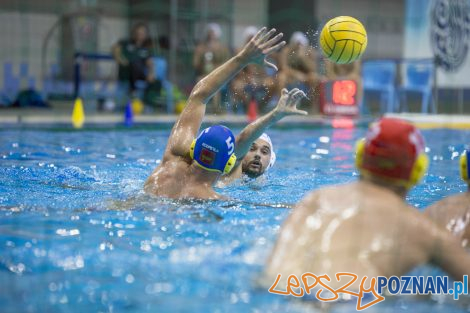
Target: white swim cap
(299, 37)
(266, 138)
(249, 32)
(215, 28)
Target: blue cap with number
(214, 148)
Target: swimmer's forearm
(189, 122)
(253, 131)
(209, 85)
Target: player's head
(213, 31)
(249, 33)
(260, 158)
(213, 149)
(393, 151)
(140, 32)
(299, 39)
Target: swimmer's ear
(419, 169)
(464, 166)
(360, 147)
(191, 149)
(230, 164)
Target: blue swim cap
(213, 149)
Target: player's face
(141, 34)
(211, 35)
(257, 159)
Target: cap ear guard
(464, 166)
(360, 146)
(191, 149)
(230, 163)
(418, 171)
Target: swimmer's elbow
(200, 93)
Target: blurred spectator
(351, 71)
(298, 65)
(134, 57)
(252, 81)
(209, 54)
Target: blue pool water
(68, 242)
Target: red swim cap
(391, 149)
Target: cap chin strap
(418, 170)
(228, 166)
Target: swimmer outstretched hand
(287, 104)
(260, 46)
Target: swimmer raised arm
(192, 164)
(287, 105)
(189, 122)
(254, 149)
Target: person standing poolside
(209, 54)
(365, 227)
(191, 166)
(134, 57)
(298, 65)
(453, 213)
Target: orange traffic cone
(252, 112)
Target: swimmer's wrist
(277, 114)
(241, 59)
